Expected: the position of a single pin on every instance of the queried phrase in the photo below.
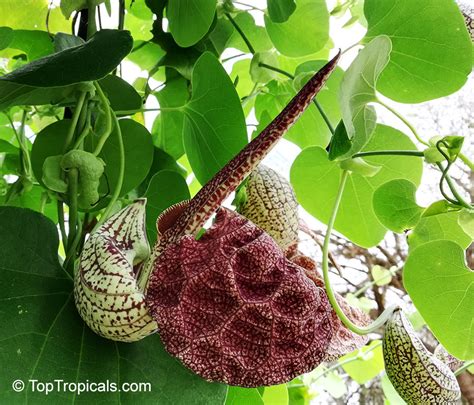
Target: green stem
(91, 25)
(323, 114)
(402, 118)
(275, 69)
(389, 152)
(71, 252)
(331, 295)
(349, 48)
(83, 134)
(72, 175)
(121, 172)
(108, 119)
(74, 120)
(24, 152)
(464, 367)
(315, 102)
(452, 187)
(241, 33)
(233, 57)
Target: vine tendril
(385, 315)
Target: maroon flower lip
(233, 309)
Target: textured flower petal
(343, 341)
(105, 286)
(271, 205)
(417, 375)
(233, 309)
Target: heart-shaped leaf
(189, 20)
(441, 226)
(305, 32)
(358, 90)
(395, 205)
(214, 126)
(431, 54)
(442, 289)
(316, 179)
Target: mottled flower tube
(105, 284)
(417, 375)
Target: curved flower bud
(105, 284)
(271, 205)
(233, 309)
(417, 375)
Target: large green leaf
(42, 337)
(189, 20)
(306, 31)
(168, 126)
(32, 15)
(316, 179)
(257, 35)
(33, 43)
(243, 396)
(6, 37)
(275, 395)
(395, 205)
(280, 10)
(358, 89)
(48, 142)
(441, 226)
(431, 54)
(310, 129)
(122, 96)
(69, 6)
(366, 363)
(214, 126)
(54, 74)
(33, 199)
(442, 289)
(138, 147)
(165, 189)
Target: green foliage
(243, 396)
(190, 19)
(43, 337)
(395, 205)
(441, 226)
(214, 125)
(280, 10)
(310, 129)
(438, 267)
(49, 79)
(312, 171)
(365, 363)
(305, 32)
(358, 90)
(165, 189)
(54, 118)
(431, 54)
